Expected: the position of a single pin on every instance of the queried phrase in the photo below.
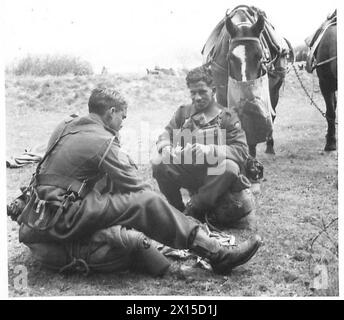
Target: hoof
(270, 150)
(330, 147)
(252, 152)
(331, 143)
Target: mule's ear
(231, 27)
(258, 27)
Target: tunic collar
(96, 118)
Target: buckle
(82, 187)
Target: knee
(149, 197)
(230, 168)
(158, 170)
(226, 168)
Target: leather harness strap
(106, 151)
(64, 182)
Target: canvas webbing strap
(106, 151)
(52, 147)
(63, 182)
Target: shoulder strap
(52, 147)
(106, 151)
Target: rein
(324, 62)
(312, 102)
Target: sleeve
(121, 170)
(165, 139)
(235, 147)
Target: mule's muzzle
(251, 99)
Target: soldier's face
(116, 122)
(202, 95)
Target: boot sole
(250, 256)
(253, 252)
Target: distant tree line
(301, 52)
(54, 65)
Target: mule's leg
(252, 150)
(330, 101)
(270, 144)
(331, 142)
(270, 140)
(275, 83)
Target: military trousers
(148, 212)
(205, 184)
(115, 249)
(145, 211)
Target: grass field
(299, 195)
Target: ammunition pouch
(42, 215)
(209, 135)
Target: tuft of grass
(54, 65)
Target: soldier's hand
(161, 156)
(168, 154)
(202, 150)
(166, 151)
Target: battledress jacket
(88, 151)
(186, 117)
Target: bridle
(324, 62)
(265, 63)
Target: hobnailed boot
(224, 259)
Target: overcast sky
(134, 34)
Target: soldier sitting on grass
(86, 201)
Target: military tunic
(206, 188)
(89, 152)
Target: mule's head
(245, 53)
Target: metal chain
(309, 96)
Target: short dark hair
(202, 73)
(103, 99)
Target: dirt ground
(298, 199)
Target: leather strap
(106, 151)
(64, 182)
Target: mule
(234, 50)
(326, 69)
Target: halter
(245, 39)
(265, 61)
(323, 62)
